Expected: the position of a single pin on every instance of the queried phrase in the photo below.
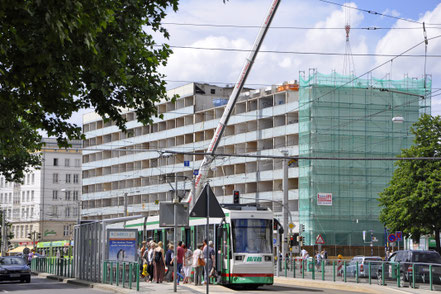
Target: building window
(76, 178)
(27, 196)
(23, 196)
(55, 161)
(55, 178)
(68, 178)
(32, 195)
(54, 194)
(32, 214)
(77, 163)
(66, 230)
(27, 212)
(75, 195)
(28, 177)
(67, 211)
(33, 179)
(66, 162)
(67, 195)
(55, 211)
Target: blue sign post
(399, 235)
(392, 238)
(195, 172)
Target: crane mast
(209, 157)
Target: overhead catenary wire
(301, 52)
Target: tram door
(187, 237)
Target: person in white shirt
(198, 268)
(188, 262)
(149, 259)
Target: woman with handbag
(159, 263)
(198, 264)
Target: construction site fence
(425, 276)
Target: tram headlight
(239, 257)
(267, 258)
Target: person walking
(188, 262)
(198, 261)
(169, 257)
(180, 260)
(209, 260)
(318, 260)
(159, 263)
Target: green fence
(123, 274)
(385, 273)
(62, 267)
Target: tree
(412, 201)
(59, 57)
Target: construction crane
(209, 157)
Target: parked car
(404, 259)
(14, 268)
(363, 266)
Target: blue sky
(188, 65)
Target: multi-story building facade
(296, 118)
(47, 202)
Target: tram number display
(254, 259)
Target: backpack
(157, 256)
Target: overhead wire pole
(209, 157)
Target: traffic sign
(319, 240)
(274, 241)
(292, 226)
(195, 172)
(186, 162)
(399, 235)
(392, 238)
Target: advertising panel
(324, 199)
(122, 245)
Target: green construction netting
(340, 116)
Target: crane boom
(208, 159)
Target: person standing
(188, 262)
(318, 259)
(198, 267)
(148, 257)
(159, 263)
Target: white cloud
(397, 41)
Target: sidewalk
(364, 288)
(189, 288)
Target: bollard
(303, 268)
(413, 275)
(382, 274)
(313, 269)
(370, 275)
(430, 277)
(323, 269)
(344, 270)
(130, 275)
(398, 275)
(124, 274)
(333, 270)
(111, 273)
(286, 270)
(356, 272)
(137, 276)
(117, 273)
(105, 272)
(294, 268)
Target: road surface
(45, 286)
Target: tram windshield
(252, 235)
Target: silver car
(363, 266)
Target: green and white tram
(243, 242)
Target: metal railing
(123, 274)
(62, 267)
(416, 275)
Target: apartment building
(47, 202)
(319, 115)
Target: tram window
(252, 235)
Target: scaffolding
(343, 116)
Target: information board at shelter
(122, 245)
